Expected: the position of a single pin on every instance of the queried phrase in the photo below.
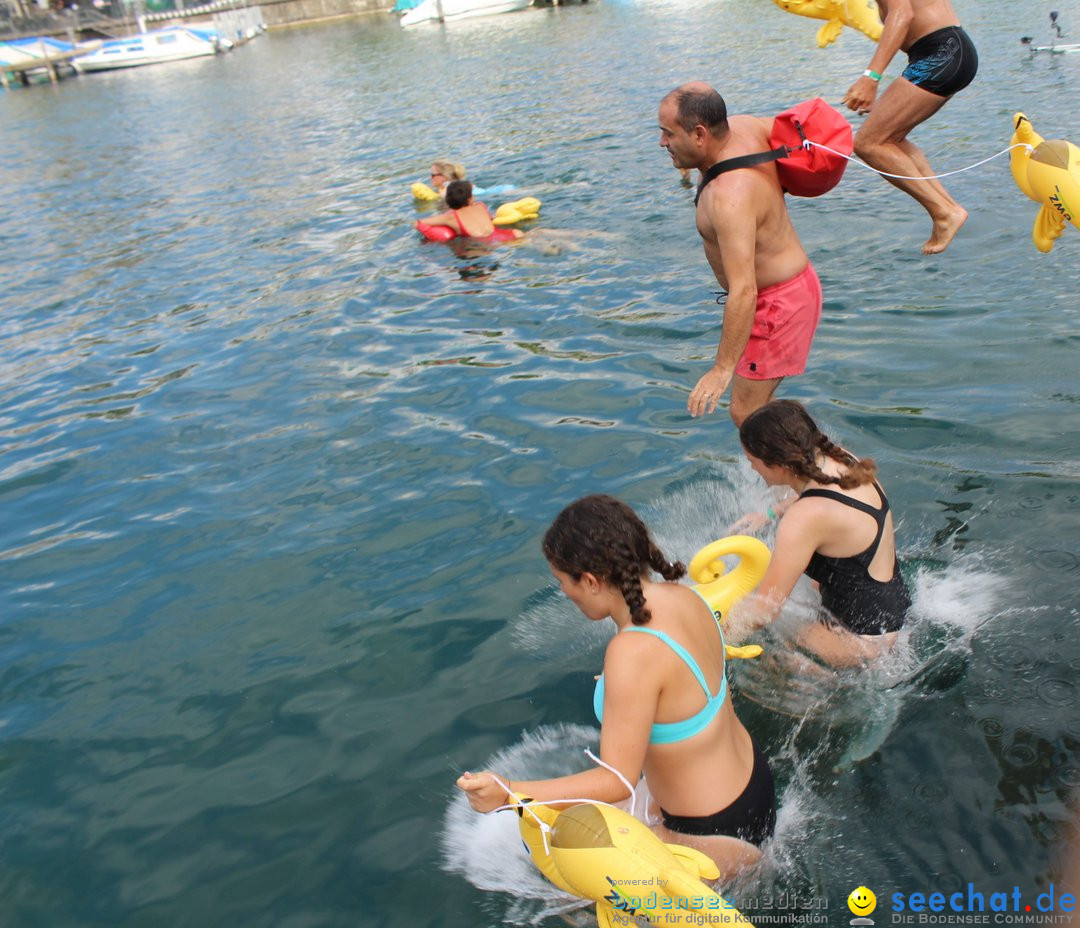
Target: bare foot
(944, 231)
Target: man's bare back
(778, 254)
(751, 246)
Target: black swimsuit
(751, 817)
(860, 603)
(942, 62)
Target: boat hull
(146, 48)
(429, 10)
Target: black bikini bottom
(751, 817)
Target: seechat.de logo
(862, 902)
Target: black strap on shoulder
(745, 161)
(733, 164)
(878, 514)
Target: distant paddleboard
(1050, 49)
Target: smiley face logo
(862, 901)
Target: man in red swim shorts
(774, 296)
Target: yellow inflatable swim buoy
(721, 589)
(519, 211)
(1047, 171)
(423, 192)
(602, 853)
(858, 14)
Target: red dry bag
(810, 172)
(803, 172)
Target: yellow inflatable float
(424, 193)
(519, 211)
(1048, 171)
(858, 14)
(601, 853)
(720, 588)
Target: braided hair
(782, 434)
(602, 536)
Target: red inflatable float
(445, 233)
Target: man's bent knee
(870, 144)
(864, 149)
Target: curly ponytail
(782, 434)
(600, 535)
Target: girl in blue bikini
(662, 699)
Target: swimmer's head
(458, 193)
(443, 171)
(603, 536)
(782, 434)
(698, 104)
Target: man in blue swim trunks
(941, 61)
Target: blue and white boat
(450, 10)
(172, 44)
(26, 51)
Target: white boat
(31, 59)
(448, 10)
(25, 51)
(171, 44)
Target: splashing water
(845, 715)
(487, 849)
(686, 520)
(553, 618)
(840, 716)
(964, 596)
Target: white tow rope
(545, 828)
(809, 144)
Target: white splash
(487, 849)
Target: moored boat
(172, 44)
(447, 10)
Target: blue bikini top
(670, 732)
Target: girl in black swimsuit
(837, 530)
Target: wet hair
(600, 535)
(700, 105)
(782, 434)
(451, 170)
(458, 193)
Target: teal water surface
(273, 472)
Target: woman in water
(662, 699)
(443, 171)
(837, 530)
(467, 217)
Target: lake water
(274, 472)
